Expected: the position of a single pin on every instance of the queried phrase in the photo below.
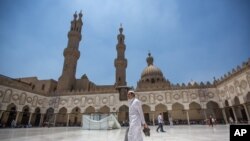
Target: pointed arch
(177, 106)
(10, 114)
(61, 119)
(90, 110)
(123, 115)
(49, 116)
(105, 109)
(25, 115)
(213, 109)
(75, 117)
(76, 110)
(35, 119)
(161, 108)
(145, 108)
(146, 111)
(178, 113)
(236, 101)
(196, 114)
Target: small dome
(151, 70)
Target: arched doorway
(9, 115)
(178, 114)
(214, 110)
(61, 119)
(123, 115)
(36, 117)
(75, 117)
(240, 111)
(228, 111)
(146, 111)
(196, 114)
(90, 110)
(49, 117)
(104, 110)
(25, 116)
(160, 108)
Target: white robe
(136, 119)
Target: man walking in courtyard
(136, 118)
(160, 123)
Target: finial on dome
(149, 54)
(150, 59)
(120, 29)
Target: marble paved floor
(175, 133)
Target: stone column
(30, 118)
(205, 114)
(55, 119)
(235, 117)
(224, 115)
(187, 117)
(41, 120)
(245, 107)
(1, 113)
(17, 115)
(153, 119)
(67, 119)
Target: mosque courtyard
(175, 133)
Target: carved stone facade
(29, 100)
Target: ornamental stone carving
(143, 98)
(15, 97)
(34, 102)
(7, 95)
(243, 84)
(111, 100)
(193, 96)
(83, 101)
(63, 101)
(176, 96)
(159, 97)
(90, 101)
(104, 100)
(40, 101)
(22, 98)
(211, 95)
(76, 101)
(151, 98)
(231, 89)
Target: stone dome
(151, 71)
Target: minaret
(71, 55)
(120, 61)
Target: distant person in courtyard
(211, 119)
(136, 118)
(231, 121)
(160, 123)
(13, 123)
(170, 121)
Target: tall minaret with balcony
(120, 61)
(71, 55)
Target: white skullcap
(131, 91)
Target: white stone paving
(175, 133)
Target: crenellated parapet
(234, 72)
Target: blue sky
(189, 39)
